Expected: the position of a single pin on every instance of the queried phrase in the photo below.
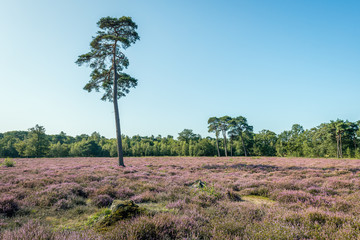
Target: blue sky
(275, 62)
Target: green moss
(119, 210)
(153, 208)
(101, 214)
(258, 199)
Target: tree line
(233, 137)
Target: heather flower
(147, 196)
(102, 201)
(63, 204)
(124, 193)
(179, 204)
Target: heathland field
(180, 198)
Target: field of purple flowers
(182, 198)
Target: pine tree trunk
(341, 155)
(337, 147)
(225, 145)
(217, 146)
(354, 141)
(117, 118)
(242, 141)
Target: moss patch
(119, 210)
(257, 200)
(153, 208)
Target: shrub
(342, 206)
(260, 191)
(8, 162)
(145, 197)
(317, 218)
(233, 196)
(289, 196)
(102, 201)
(53, 193)
(63, 204)
(106, 190)
(124, 193)
(8, 206)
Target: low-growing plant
(94, 218)
(147, 196)
(63, 204)
(8, 162)
(8, 206)
(233, 196)
(260, 191)
(102, 201)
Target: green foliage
(187, 135)
(85, 148)
(8, 146)
(265, 143)
(326, 140)
(36, 144)
(8, 162)
(357, 153)
(119, 210)
(95, 217)
(58, 150)
(107, 60)
(320, 141)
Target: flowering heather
(102, 200)
(241, 198)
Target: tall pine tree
(108, 62)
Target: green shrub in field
(8, 162)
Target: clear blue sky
(275, 62)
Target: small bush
(145, 197)
(233, 196)
(8, 162)
(8, 206)
(106, 190)
(260, 191)
(63, 204)
(289, 196)
(341, 205)
(124, 193)
(317, 218)
(102, 201)
(53, 193)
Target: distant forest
(234, 137)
